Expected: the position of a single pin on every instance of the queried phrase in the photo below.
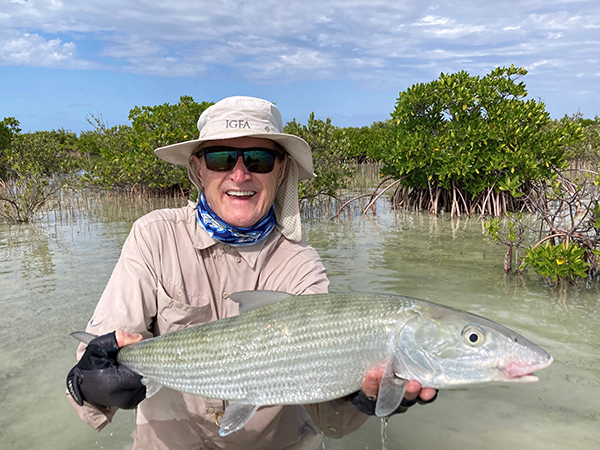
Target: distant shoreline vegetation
(458, 145)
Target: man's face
(240, 197)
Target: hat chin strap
(287, 210)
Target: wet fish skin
(315, 348)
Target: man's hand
(413, 390)
(99, 379)
(123, 338)
(366, 399)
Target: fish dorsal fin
(235, 417)
(391, 390)
(249, 300)
(83, 336)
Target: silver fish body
(315, 348)
(304, 349)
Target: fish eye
(472, 336)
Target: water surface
(52, 273)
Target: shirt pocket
(174, 315)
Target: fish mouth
(524, 373)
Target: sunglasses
(256, 159)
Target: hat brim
(295, 146)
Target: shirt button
(227, 248)
(213, 254)
(333, 429)
(225, 294)
(207, 442)
(210, 410)
(238, 259)
(179, 291)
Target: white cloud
(124, 46)
(460, 30)
(55, 5)
(274, 40)
(323, 19)
(447, 28)
(305, 59)
(536, 65)
(551, 63)
(560, 20)
(34, 50)
(430, 21)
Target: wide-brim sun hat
(239, 116)
(235, 117)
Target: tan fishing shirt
(172, 275)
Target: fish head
(443, 347)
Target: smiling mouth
(241, 193)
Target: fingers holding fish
(414, 390)
(124, 338)
(372, 380)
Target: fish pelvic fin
(236, 416)
(249, 300)
(391, 390)
(152, 387)
(83, 336)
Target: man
(178, 267)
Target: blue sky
(64, 60)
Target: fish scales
(305, 349)
(315, 348)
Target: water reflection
(53, 271)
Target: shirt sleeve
(132, 278)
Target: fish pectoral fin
(249, 300)
(391, 391)
(83, 336)
(152, 387)
(235, 417)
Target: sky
(64, 62)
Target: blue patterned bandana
(218, 229)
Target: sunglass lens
(259, 161)
(221, 160)
(256, 160)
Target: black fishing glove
(99, 379)
(366, 405)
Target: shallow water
(52, 273)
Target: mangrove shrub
(585, 153)
(461, 141)
(369, 143)
(561, 238)
(34, 167)
(329, 150)
(123, 156)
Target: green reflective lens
(256, 159)
(220, 160)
